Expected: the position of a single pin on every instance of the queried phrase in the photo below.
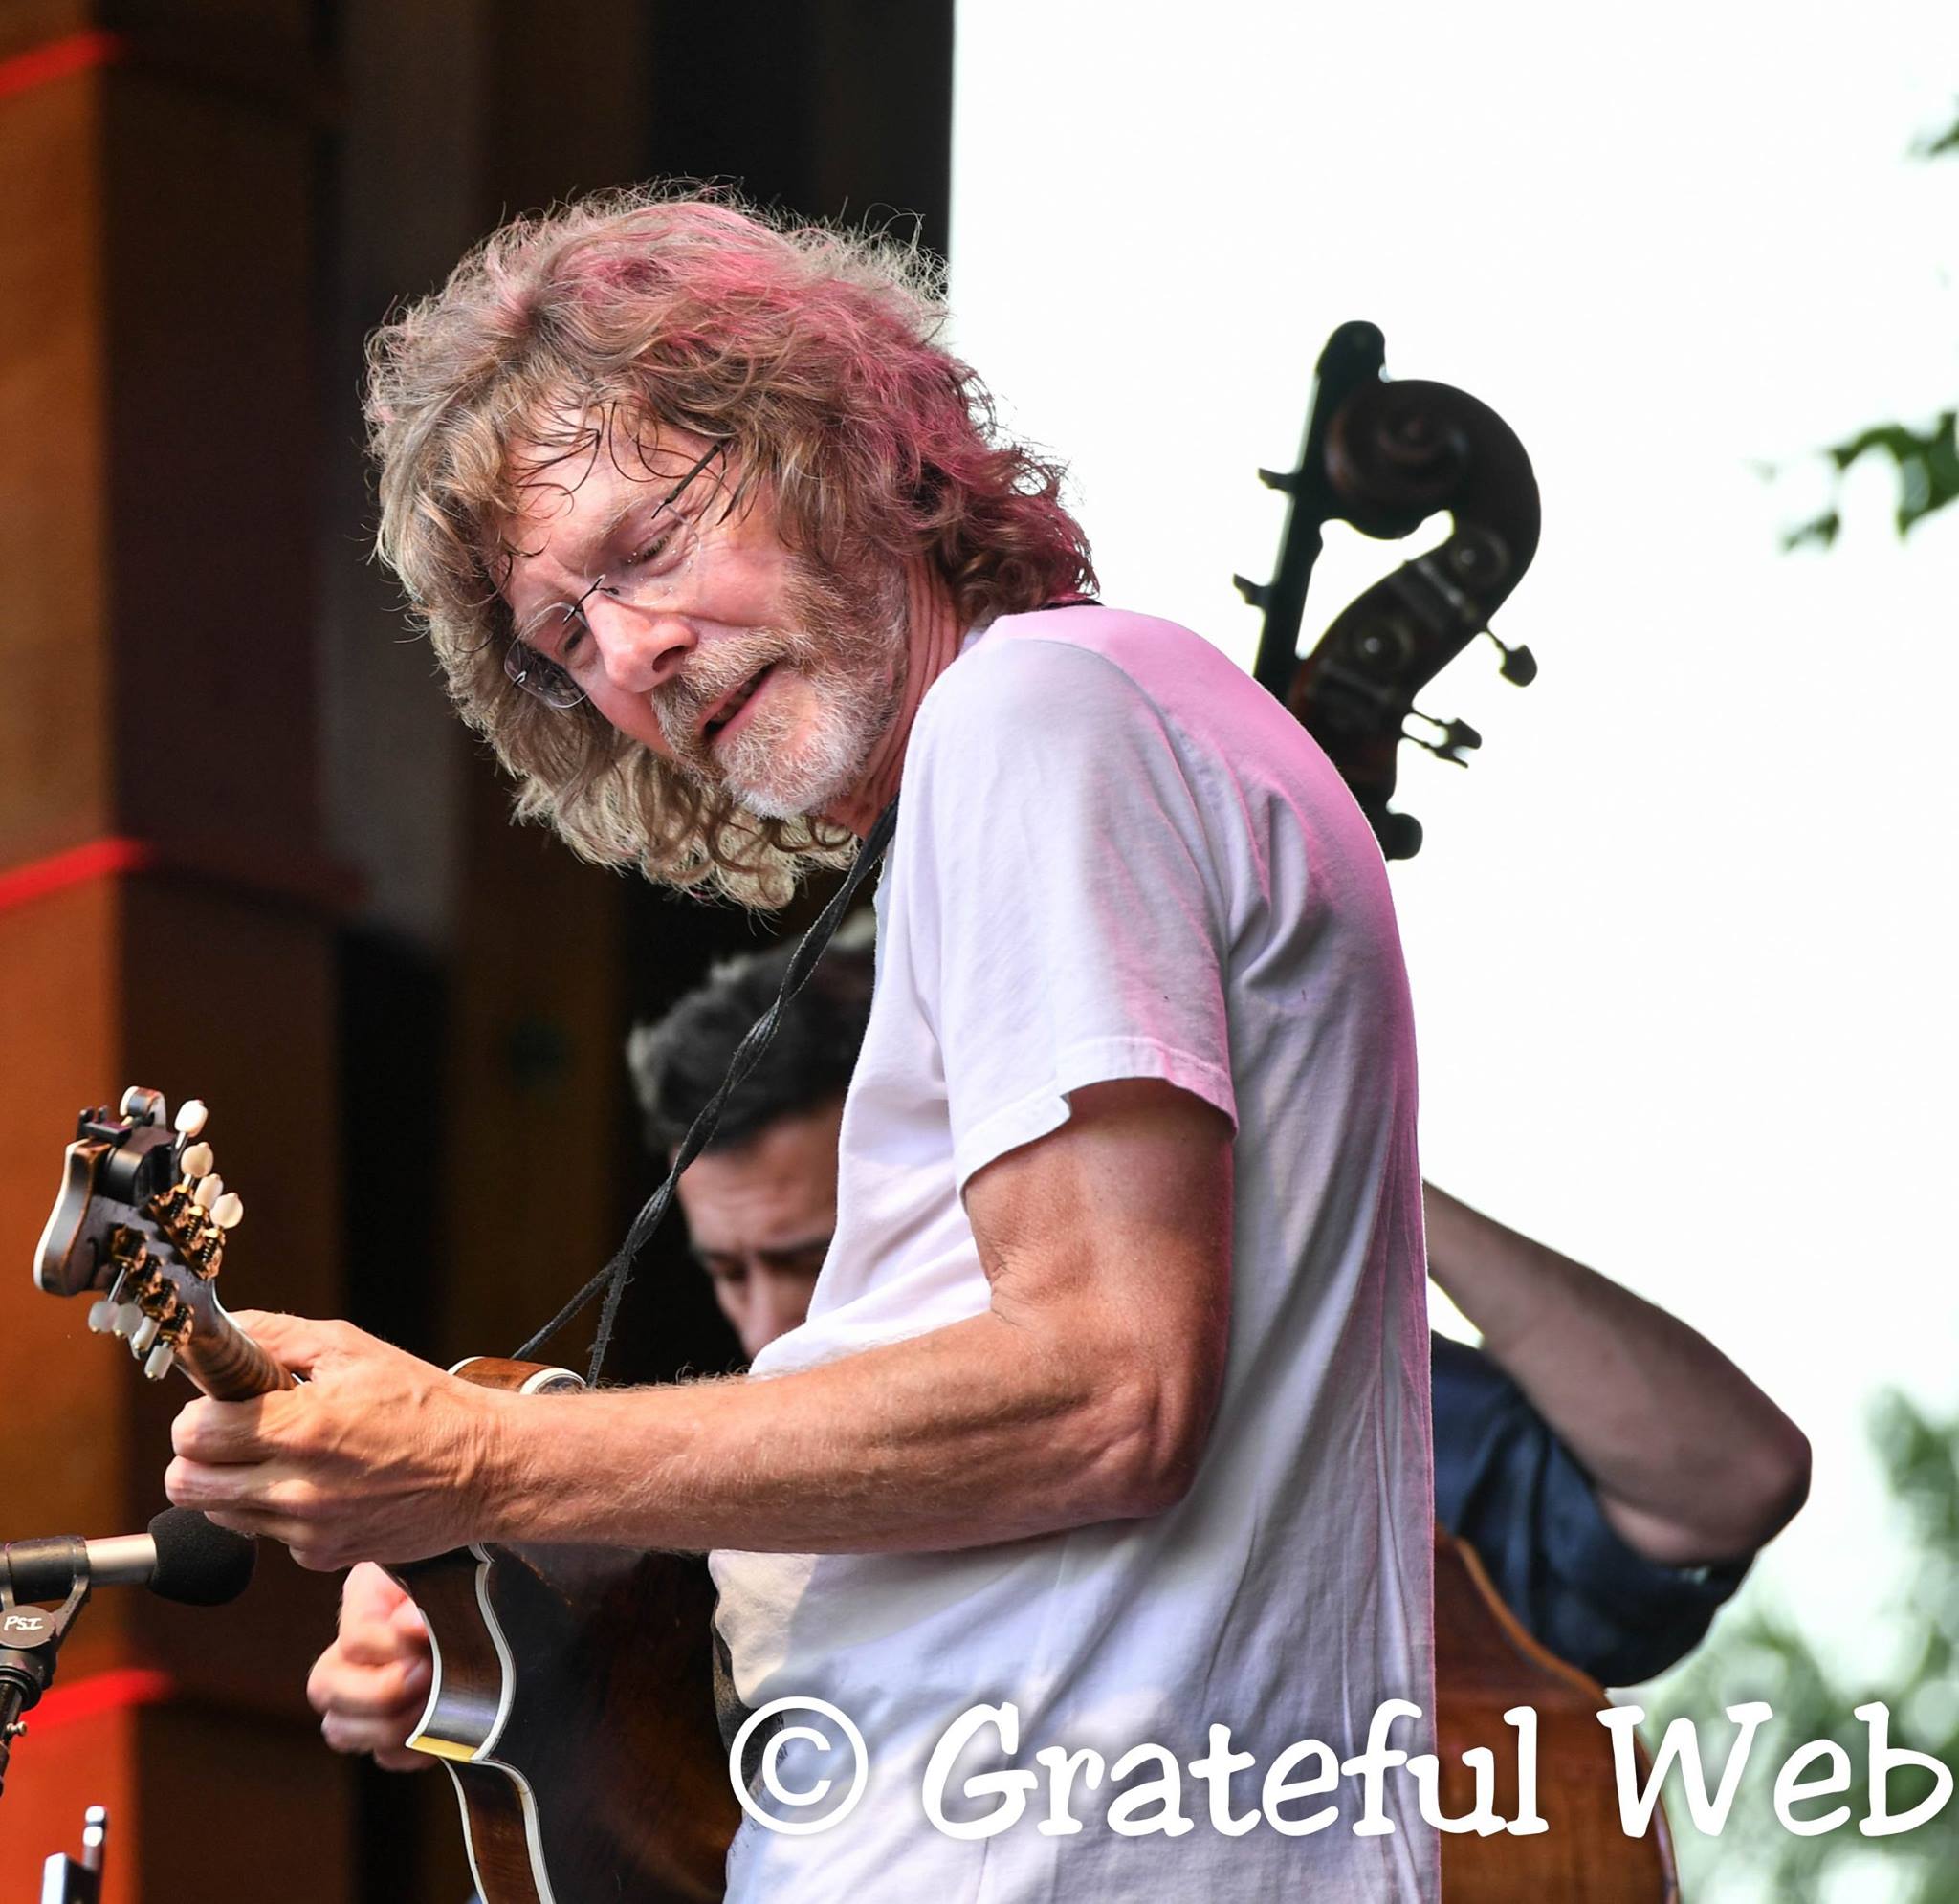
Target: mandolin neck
(227, 1364)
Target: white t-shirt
(1117, 857)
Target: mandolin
(572, 1701)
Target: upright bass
(1384, 456)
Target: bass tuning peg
(1519, 664)
(1458, 738)
(1400, 834)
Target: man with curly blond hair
(659, 351)
(1121, 1334)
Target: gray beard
(848, 643)
(835, 745)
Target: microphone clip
(31, 1638)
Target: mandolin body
(573, 1707)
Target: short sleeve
(1506, 1485)
(1056, 877)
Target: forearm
(976, 1432)
(1082, 1394)
(1692, 1461)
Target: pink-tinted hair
(812, 352)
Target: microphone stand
(63, 1881)
(29, 1645)
(30, 1639)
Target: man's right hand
(371, 1683)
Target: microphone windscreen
(197, 1562)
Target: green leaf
(1819, 532)
(1927, 466)
(1947, 142)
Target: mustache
(837, 624)
(682, 704)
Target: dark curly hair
(678, 1062)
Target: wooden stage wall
(166, 909)
(245, 853)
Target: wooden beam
(168, 909)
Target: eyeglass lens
(650, 576)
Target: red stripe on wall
(121, 1690)
(99, 859)
(79, 52)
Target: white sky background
(1677, 938)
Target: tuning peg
(208, 1192)
(1459, 738)
(1400, 834)
(140, 1106)
(191, 1120)
(1519, 665)
(197, 1160)
(158, 1363)
(101, 1312)
(127, 1318)
(1284, 481)
(229, 1211)
(1254, 592)
(145, 1334)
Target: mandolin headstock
(140, 1223)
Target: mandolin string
(803, 961)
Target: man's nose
(781, 1304)
(640, 648)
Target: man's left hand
(376, 1456)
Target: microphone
(184, 1557)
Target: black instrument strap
(618, 1273)
(729, 1712)
(803, 961)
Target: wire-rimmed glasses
(663, 548)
